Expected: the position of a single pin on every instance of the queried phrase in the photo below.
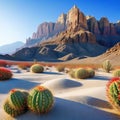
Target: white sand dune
(74, 99)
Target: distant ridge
(10, 48)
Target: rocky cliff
(76, 19)
(45, 31)
(73, 35)
(106, 33)
(75, 41)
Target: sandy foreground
(74, 99)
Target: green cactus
(91, 72)
(116, 73)
(36, 68)
(113, 92)
(60, 68)
(81, 73)
(40, 100)
(107, 66)
(16, 103)
(11, 111)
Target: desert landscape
(59, 69)
(74, 99)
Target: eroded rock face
(76, 37)
(44, 30)
(93, 25)
(104, 26)
(76, 18)
(62, 19)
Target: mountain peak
(62, 19)
(76, 19)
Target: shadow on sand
(6, 86)
(98, 77)
(70, 110)
(52, 73)
(68, 83)
(98, 102)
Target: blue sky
(20, 18)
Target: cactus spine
(40, 100)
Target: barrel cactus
(5, 74)
(91, 72)
(116, 73)
(107, 66)
(36, 68)
(40, 100)
(81, 73)
(113, 92)
(16, 103)
(60, 68)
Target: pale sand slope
(74, 99)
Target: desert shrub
(113, 92)
(36, 68)
(60, 68)
(107, 66)
(16, 102)
(40, 100)
(72, 73)
(24, 66)
(91, 72)
(116, 73)
(81, 73)
(5, 74)
(3, 63)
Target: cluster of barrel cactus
(39, 100)
(16, 103)
(82, 73)
(5, 74)
(36, 68)
(113, 92)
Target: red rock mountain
(73, 36)
(106, 33)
